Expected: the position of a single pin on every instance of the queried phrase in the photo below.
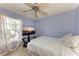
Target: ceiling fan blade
(29, 4)
(43, 5)
(42, 12)
(29, 13)
(27, 10)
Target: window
(12, 29)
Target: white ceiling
(49, 8)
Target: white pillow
(68, 35)
(71, 41)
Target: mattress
(47, 46)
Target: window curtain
(10, 31)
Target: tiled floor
(19, 52)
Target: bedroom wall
(26, 21)
(77, 20)
(57, 25)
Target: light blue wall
(77, 20)
(26, 21)
(57, 25)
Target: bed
(48, 46)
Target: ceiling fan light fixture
(36, 8)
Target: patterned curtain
(10, 31)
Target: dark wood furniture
(28, 33)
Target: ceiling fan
(36, 8)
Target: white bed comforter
(47, 46)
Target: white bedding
(42, 45)
(47, 46)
